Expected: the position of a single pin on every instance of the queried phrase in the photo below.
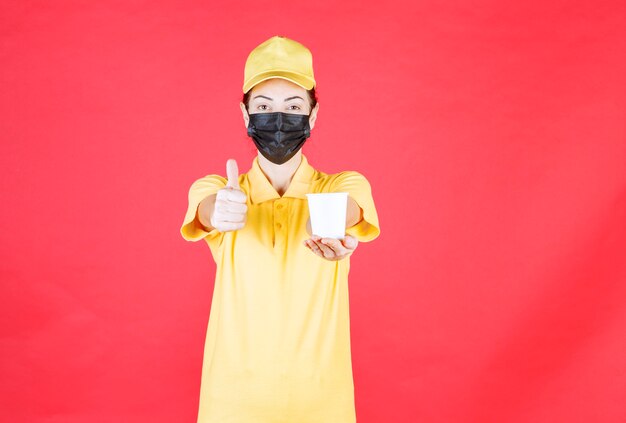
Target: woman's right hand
(230, 209)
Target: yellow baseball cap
(279, 57)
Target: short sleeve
(192, 230)
(358, 187)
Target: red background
(493, 137)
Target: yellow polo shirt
(278, 340)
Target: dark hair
(310, 93)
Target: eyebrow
(287, 99)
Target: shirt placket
(280, 222)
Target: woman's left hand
(331, 248)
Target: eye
(296, 107)
(260, 107)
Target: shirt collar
(262, 190)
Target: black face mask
(278, 135)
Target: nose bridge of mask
(282, 121)
(279, 123)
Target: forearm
(204, 212)
(354, 213)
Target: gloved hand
(230, 211)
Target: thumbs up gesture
(230, 211)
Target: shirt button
(279, 206)
(278, 225)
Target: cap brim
(304, 81)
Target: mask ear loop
(307, 130)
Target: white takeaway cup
(328, 214)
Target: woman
(278, 340)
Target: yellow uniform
(278, 340)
